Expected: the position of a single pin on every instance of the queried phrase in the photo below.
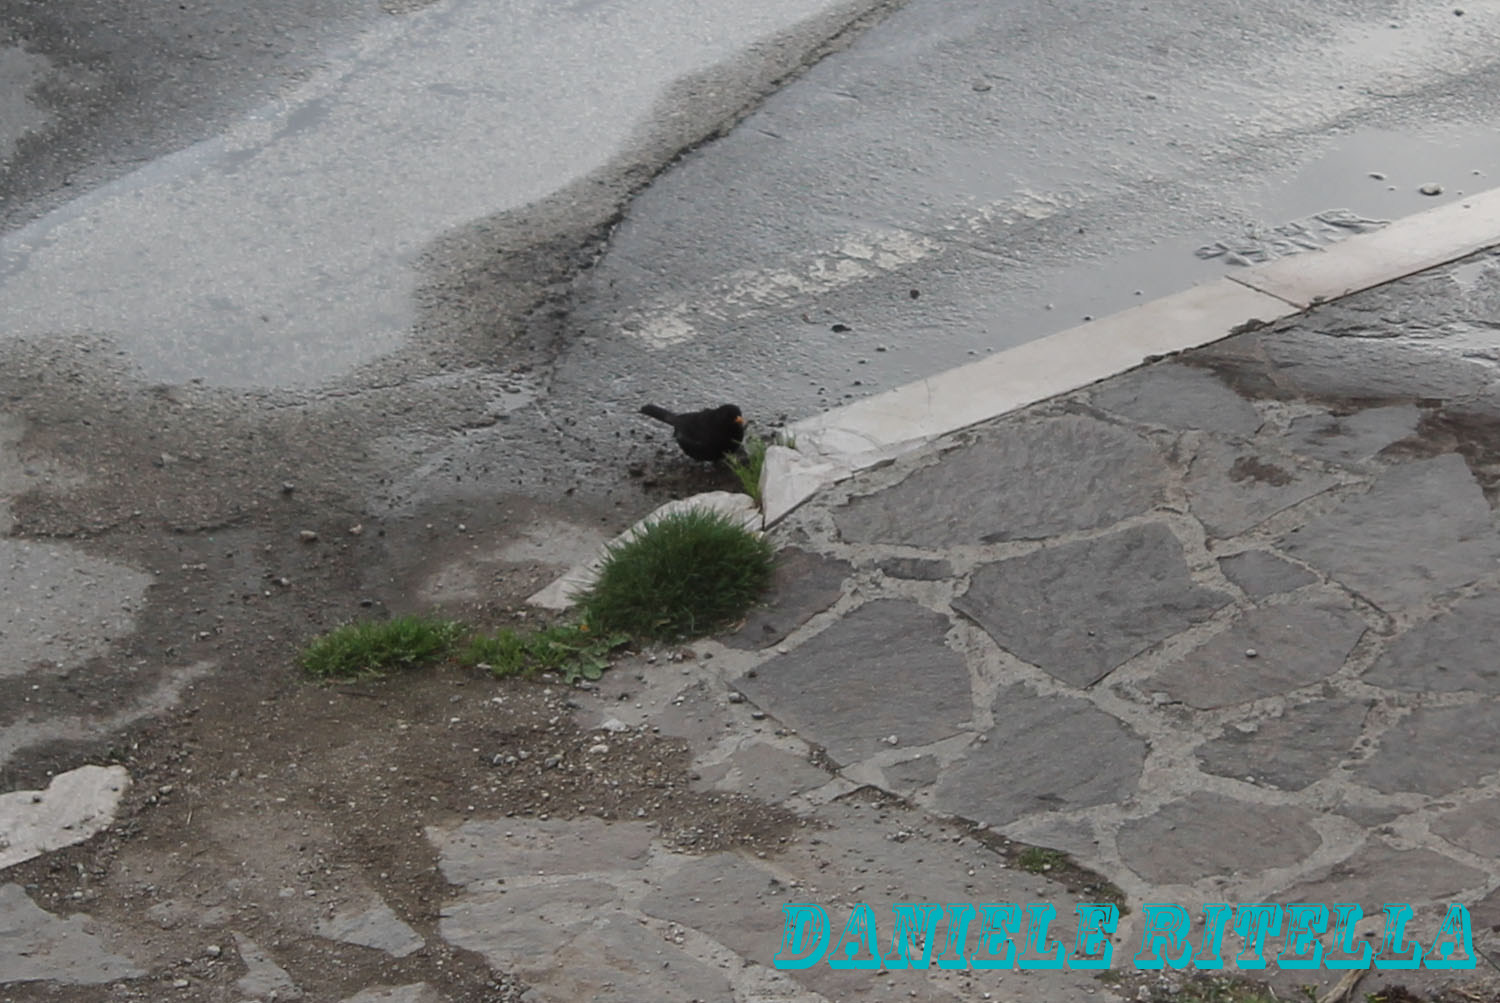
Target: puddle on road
(1339, 178)
(1460, 161)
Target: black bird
(706, 435)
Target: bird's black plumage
(706, 435)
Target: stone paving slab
(1290, 750)
(1423, 528)
(1064, 473)
(1205, 835)
(35, 945)
(1262, 573)
(1081, 609)
(851, 685)
(1267, 651)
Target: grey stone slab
(882, 670)
(263, 977)
(727, 897)
(1234, 487)
(1291, 751)
(1023, 480)
(911, 774)
(1474, 827)
(764, 771)
(1377, 874)
(1261, 573)
(695, 714)
(1311, 364)
(1453, 651)
(416, 992)
(1353, 437)
(376, 926)
(523, 925)
(1042, 754)
(1435, 750)
(1080, 610)
(803, 585)
(481, 850)
(618, 960)
(875, 852)
(574, 940)
(36, 946)
(74, 806)
(1295, 645)
(916, 568)
(1179, 396)
(1423, 528)
(1204, 835)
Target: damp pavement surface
(1219, 629)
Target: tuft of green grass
(573, 650)
(683, 576)
(1037, 859)
(375, 647)
(747, 471)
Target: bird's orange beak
(739, 419)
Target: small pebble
(1431, 188)
(308, 536)
(1251, 653)
(892, 740)
(1377, 175)
(735, 697)
(598, 750)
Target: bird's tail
(659, 413)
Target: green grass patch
(1038, 859)
(572, 650)
(747, 471)
(685, 575)
(376, 647)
